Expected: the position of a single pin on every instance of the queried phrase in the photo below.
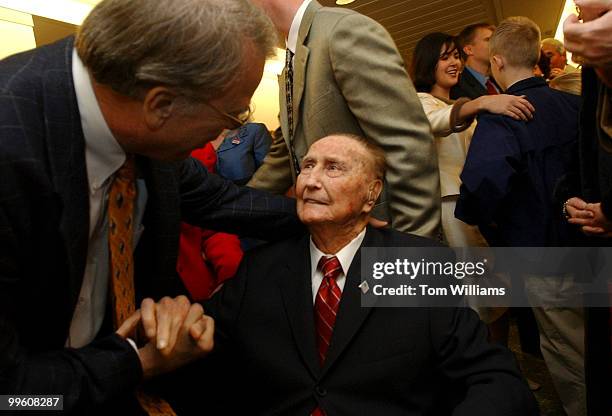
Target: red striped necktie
(326, 303)
(326, 308)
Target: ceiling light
(343, 2)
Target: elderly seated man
(293, 338)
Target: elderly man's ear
(374, 192)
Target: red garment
(491, 89)
(206, 258)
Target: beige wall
(17, 28)
(265, 100)
(16, 32)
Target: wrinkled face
(479, 48)
(448, 68)
(334, 182)
(557, 60)
(190, 128)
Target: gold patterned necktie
(120, 223)
(121, 199)
(289, 103)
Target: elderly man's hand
(178, 333)
(591, 39)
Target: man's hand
(178, 333)
(555, 72)
(162, 321)
(600, 225)
(590, 39)
(589, 217)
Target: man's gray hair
(196, 47)
(557, 44)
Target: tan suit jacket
(350, 78)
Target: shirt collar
(103, 154)
(527, 83)
(294, 30)
(345, 256)
(479, 77)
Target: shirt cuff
(455, 126)
(133, 344)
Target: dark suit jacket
(468, 86)
(596, 186)
(382, 361)
(44, 219)
(515, 169)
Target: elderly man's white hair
(557, 44)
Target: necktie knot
(330, 267)
(288, 58)
(127, 171)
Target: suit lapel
(351, 315)
(162, 227)
(474, 84)
(66, 147)
(296, 291)
(282, 101)
(299, 74)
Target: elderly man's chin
(311, 213)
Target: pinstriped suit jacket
(44, 218)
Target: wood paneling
(409, 20)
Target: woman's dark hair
(425, 59)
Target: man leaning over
(94, 138)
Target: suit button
(320, 391)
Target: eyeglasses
(236, 121)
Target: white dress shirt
(295, 27)
(103, 157)
(345, 257)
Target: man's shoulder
(387, 237)
(23, 72)
(551, 95)
(494, 121)
(279, 249)
(327, 18)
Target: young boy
(512, 178)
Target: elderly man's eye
(334, 170)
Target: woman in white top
(435, 68)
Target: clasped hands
(177, 333)
(589, 217)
